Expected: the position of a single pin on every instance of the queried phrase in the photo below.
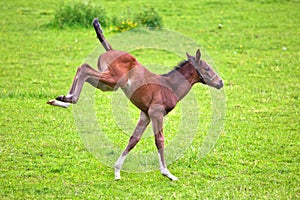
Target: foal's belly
(153, 94)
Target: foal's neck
(189, 72)
(182, 79)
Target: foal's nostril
(220, 84)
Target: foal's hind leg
(134, 139)
(85, 73)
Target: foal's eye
(206, 69)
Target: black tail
(100, 35)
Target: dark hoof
(51, 102)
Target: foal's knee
(134, 139)
(132, 142)
(159, 141)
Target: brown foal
(155, 95)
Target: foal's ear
(190, 58)
(198, 56)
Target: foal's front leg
(156, 114)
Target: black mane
(177, 68)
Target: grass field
(257, 53)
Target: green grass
(257, 155)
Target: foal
(155, 95)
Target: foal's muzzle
(220, 84)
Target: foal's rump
(112, 56)
(115, 67)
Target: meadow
(256, 51)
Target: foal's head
(206, 74)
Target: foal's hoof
(117, 174)
(54, 102)
(168, 174)
(117, 178)
(171, 177)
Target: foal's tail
(100, 35)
